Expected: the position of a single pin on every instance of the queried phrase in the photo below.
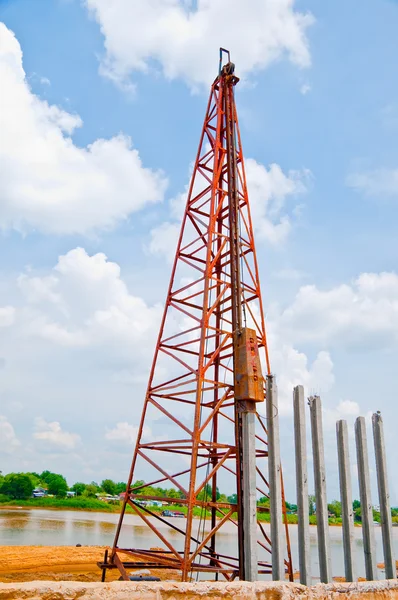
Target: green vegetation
(17, 485)
(16, 490)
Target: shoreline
(107, 511)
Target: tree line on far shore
(20, 486)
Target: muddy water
(49, 527)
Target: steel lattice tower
(206, 378)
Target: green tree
(78, 488)
(312, 504)
(17, 485)
(233, 499)
(90, 491)
(335, 508)
(121, 487)
(57, 485)
(109, 486)
(139, 483)
(356, 504)
(263, 501)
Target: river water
(64, 527)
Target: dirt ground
(58, 563)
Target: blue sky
(319, 103)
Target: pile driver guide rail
(207, 379)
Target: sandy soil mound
(57, 563)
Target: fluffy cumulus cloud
(183, 37)
(84, 303)
(8, 439)
(125, 434)
(293, 367)
(53, 438)
(350, 315)
(268, 190)
(47, 182)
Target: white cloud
(268, 190)
(366, 310)
(345, 409)
(305, 88)
(163, 240)
(379, 182)
(8, 439)
(7, 316)
(293, 367)
(184, 40)
(125, 433)
(47, 182)
(85, 303)
(53, 438)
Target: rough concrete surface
(75, 590)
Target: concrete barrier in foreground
(120, 590)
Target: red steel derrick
(206, 376)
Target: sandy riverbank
(56, 563)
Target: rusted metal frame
(174, 399)
(255, 289)
(185, 312)
(180, 348)
(154, 529)
(165, 312)
(266, 536)
(192, 261)
(211, 534)
(262, 477)
(159, 468)
(231, 420)
(218, 255)
(216, 445)
(215, 410)
(217, 301)
(170, 416)
(163, 561)
(224, 466)
(200, 208)
(174, 444)
(248, 306)
(192, 257)
(187, 262)
(139, 487)
(191, 495)
(181, 334)
(162, 386)
(186, 287)
(177, 359)
(262, 424)
(196, 293)
(213, 471)
(195, 220)
(121, 568)
(217, 352)
(250, 299)
(188, 245)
